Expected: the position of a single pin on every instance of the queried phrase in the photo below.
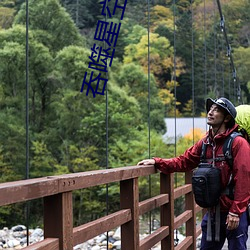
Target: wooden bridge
(56, 192)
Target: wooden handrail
(56, 191)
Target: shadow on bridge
(59, 232)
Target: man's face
(215, 116)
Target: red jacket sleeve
(185, 162)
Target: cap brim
(209, 103)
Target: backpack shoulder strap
(227, 148)
(203, 152)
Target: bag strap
(217, 223)
(227, 148)
(203, 152)
(227, 151)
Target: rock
(18, 228)
(16, 238)
(100, 238)
(117, 234)
(111, 240)
(18, 247)
(103, 243)
(38, 232)
(111, 233)
(3, 233)
(91, 242)
(117, 244)
(23, 240)
(13, 243)
(81, 246)
(95, 248)
(18, 234)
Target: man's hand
(146, 162)
(232, 221)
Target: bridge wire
(149, 120)
(174, 79)
(175, 94)
(192, 77)
(215, 53)
(222, 68)
(107, 134)
(27, 206)
(205, 49)
(229, 83)
(229, 55)
(77, 13)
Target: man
(221, 115)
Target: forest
(168, 58)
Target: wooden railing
(59, 232)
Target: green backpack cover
(243, 119)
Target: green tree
(84, 13)
(42, 163)
(53, 25)
(6, 17)
(242, 64)
(132, 78)
(12, 107)
(160, 54)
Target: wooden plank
(167, 210)
(58, 219)
(154, 238)
(190, 205)
(90, 230)
(24, 190)
(198, 231)
(99, 177)
(178, 192)
(182, 218)
(46, 244)
(152, 203)
(58, 214)
(198, 209)
(129, 196)
(185, 244)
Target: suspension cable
(175, 95)
(149, 120)
(107, 134)
(192, 77)
(27, 207)
(229, 53)
(174, 75)
(205, 51)
(215, 52)
(221, 68)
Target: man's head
(226, 107)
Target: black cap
(223, 103)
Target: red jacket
(241, 167)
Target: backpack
(206, 185)
(206, 179)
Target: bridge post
(167, 210)
(190, 205)
(58, 219)
(129, 198)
